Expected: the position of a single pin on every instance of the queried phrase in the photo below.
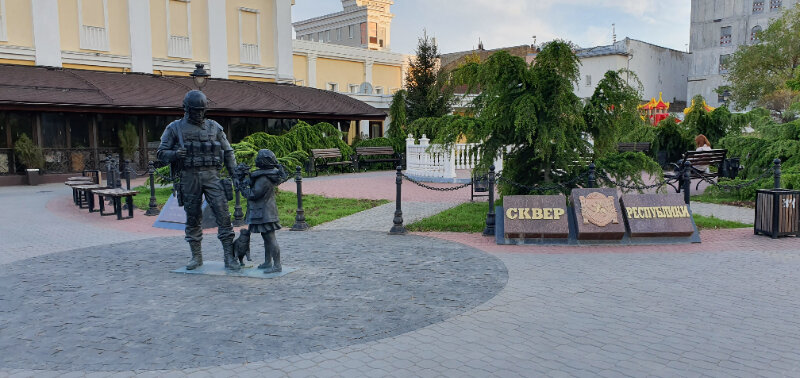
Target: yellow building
(73, 72)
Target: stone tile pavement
(726, 307)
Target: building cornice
(334, 51)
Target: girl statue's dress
(262, 211)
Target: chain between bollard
(438, 189)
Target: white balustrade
(249, 53)
(179, 47)
(434, 161)
(94, 38)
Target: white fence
(425, 160)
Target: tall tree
(758, 73)
(427, 93)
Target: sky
(459, 24)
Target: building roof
(60, 89)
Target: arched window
(754, 34)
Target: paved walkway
(726, 212)
(726, 307)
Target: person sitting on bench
(702, 144)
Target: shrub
(29, 154)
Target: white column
(368, 70)
(312, 71)
(141, 39)
(283, 42)
(217, 39)
(46, 35)
(364, 130)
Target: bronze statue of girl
(262, 211)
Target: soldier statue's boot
(197, 256)
(231, 262)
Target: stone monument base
(500, 239)
(217, 268)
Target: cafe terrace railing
(434, 162)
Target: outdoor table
(116, 195)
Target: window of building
(353, 88)
(328, 36)
(381, 36)
(723, 97)
(775, 5)
(79, 128)
(179, 29)
(54, 130)
(3, 33)
(249, 36)
(758, 6)
(333, 87)
(363, 33)
(725, 35)
(754, 34)
(723, 63)
(351, 30)
(338, 34)
(321, 37)
(379, 90)
(588, 80)
(93, 21)
(373, 32)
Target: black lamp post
(200, 76)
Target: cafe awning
(36, 88)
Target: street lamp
(200, 76)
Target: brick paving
(726, 307)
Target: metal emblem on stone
(217, 268)
(598, 209)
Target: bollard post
(398, 228)
(490, 217)
(300, 216)
(777, 173)
(238, 214)
(153, 208)
(109, 175)
(592, 176)
(127, 174)
(687, 181)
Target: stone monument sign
(597, 214)
(533, 217)
(657, 215)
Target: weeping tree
(530, 109)
(612, 110)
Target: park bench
(116, 195)
(72, 182)
(384, 155)
(328, 157)
(702, 158)
(85, 192)
(633, 147)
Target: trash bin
(777, 212)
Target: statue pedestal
(217, 268)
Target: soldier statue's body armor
(197, 149)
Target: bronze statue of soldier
(196, 148)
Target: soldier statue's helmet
(266, 158)
(195, 100)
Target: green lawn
(318, 209)
(712, 223)
(723, 200)
(471, 217)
